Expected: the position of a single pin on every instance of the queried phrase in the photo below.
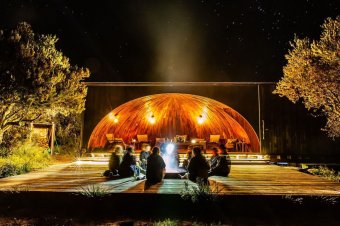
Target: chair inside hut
(113, 141)
(214, 140)
(180, 138)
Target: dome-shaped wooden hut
(169, 114)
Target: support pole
(259, 109)
(52, 137)
(31, 131)
(81, 134)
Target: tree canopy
(312, 75)
(36, 79)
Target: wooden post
(31, 131)
(52, 137)
(259, 109)
(81, 132)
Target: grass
(94, 190)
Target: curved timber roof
(170, 114)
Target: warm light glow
(170, 148)
(152, 119)
(113, 117)
(78, 162)
(174, 114)
(200, 119)
(193, 141)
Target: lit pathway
(243, 180)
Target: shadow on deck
(251, 191)
(243, 180)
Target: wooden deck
(243, 180)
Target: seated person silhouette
(143, 156)
(198, 167)
(128, 167)
(219, 163)
(155, 169)
(114, 162)
(187, 160)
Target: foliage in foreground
(169, 222)
(94, 190)
(68, 134)
(37, 81)
(325, 172)
(199, 192)
(166, 222)
(312, 75)
(26, 157)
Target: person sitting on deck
(187, 160)
(128, 167)
(198, 167)
(155, 168)
(143, 156)
(214, 158)
(115, 159)
(219, 164)
(186, 164)
(114, 162)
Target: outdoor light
(113, 117)
(78, 162)
(200, 119)
(152, 119)
(170, 148)
(193, 141)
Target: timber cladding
(284, 127)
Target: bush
(200, 192)
(7, 169)
(325, 172)
(94, 190)
(25, 157)
(167, 222)
(4, 151)
(68, 133)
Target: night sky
(174, 40)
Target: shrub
(325, 172)
(68, 133)
(25, 157)
(7, 169)
(166, 222)
(94, 190)
(200, 192)
(4, 151)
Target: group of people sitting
(125, 165)
(198, 167)
(152, 166)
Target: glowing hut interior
(169, 114)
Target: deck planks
(243, 180)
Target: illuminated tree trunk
(1, 136)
